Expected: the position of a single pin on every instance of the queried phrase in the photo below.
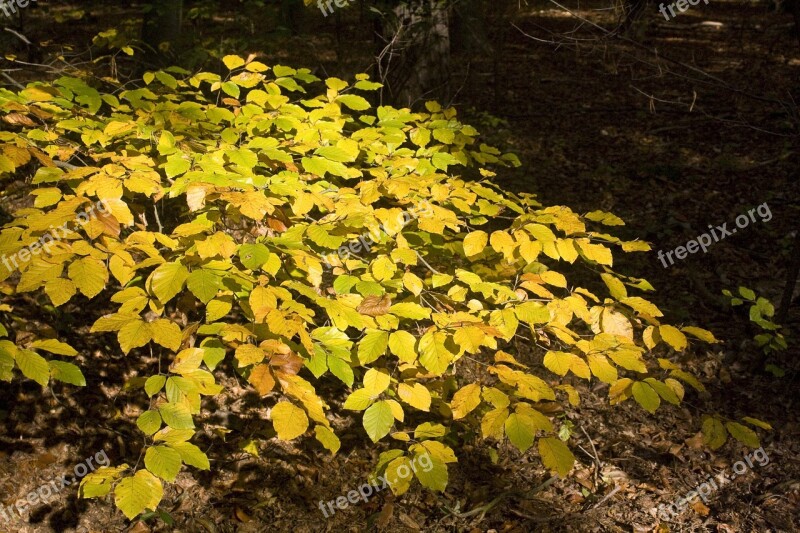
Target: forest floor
(599, 124)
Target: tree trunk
(161, 29)
(414, 57)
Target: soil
(673, 142)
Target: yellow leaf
(493, 423)
(555, 455)
(615, 286)
(167, 281)
(383, 268)
(640, 305)
(233, 62)
(417, 396)
(134, 334)
(601, 368)
(376, 381)
(288, 420)
(247, 355)
(402, 344)
(166, 333)
(702, 334)
(470, 338)
(59, 290)
(134, 495)
(465, 400)
(327, 438)
(397, 410)
(475, 242)
(558, 362)
(89, 276)
(596, 252)
(673, 336)
(413, 283)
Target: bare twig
(598, 464)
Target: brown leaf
(408, 521)
(261, 378)
(108, 223)
(695, 442)
(18, 119)
(385, 515)
(290, 363)
(276, 224)
(700, 508)
(375, 305)
(45, 459)
(140, 527)
(242, 516)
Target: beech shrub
(278, 227)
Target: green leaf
(67, 373)
(434, 478)
(54, 346)
(204, 284)
(154, 384)
(33, 366)
(714, 433)
(378, 420)
(192, 455)
(434, 355)
(372, 346)
(177, 415)
(253, 256)
(646, 396)
(149, 422)
(176, 165)
(743, 434)
(134, 495)
(163, 461)
(354, 102)
(664, 391)
(556, 455)
(359, 400)
(167, 281)
(758, 423)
